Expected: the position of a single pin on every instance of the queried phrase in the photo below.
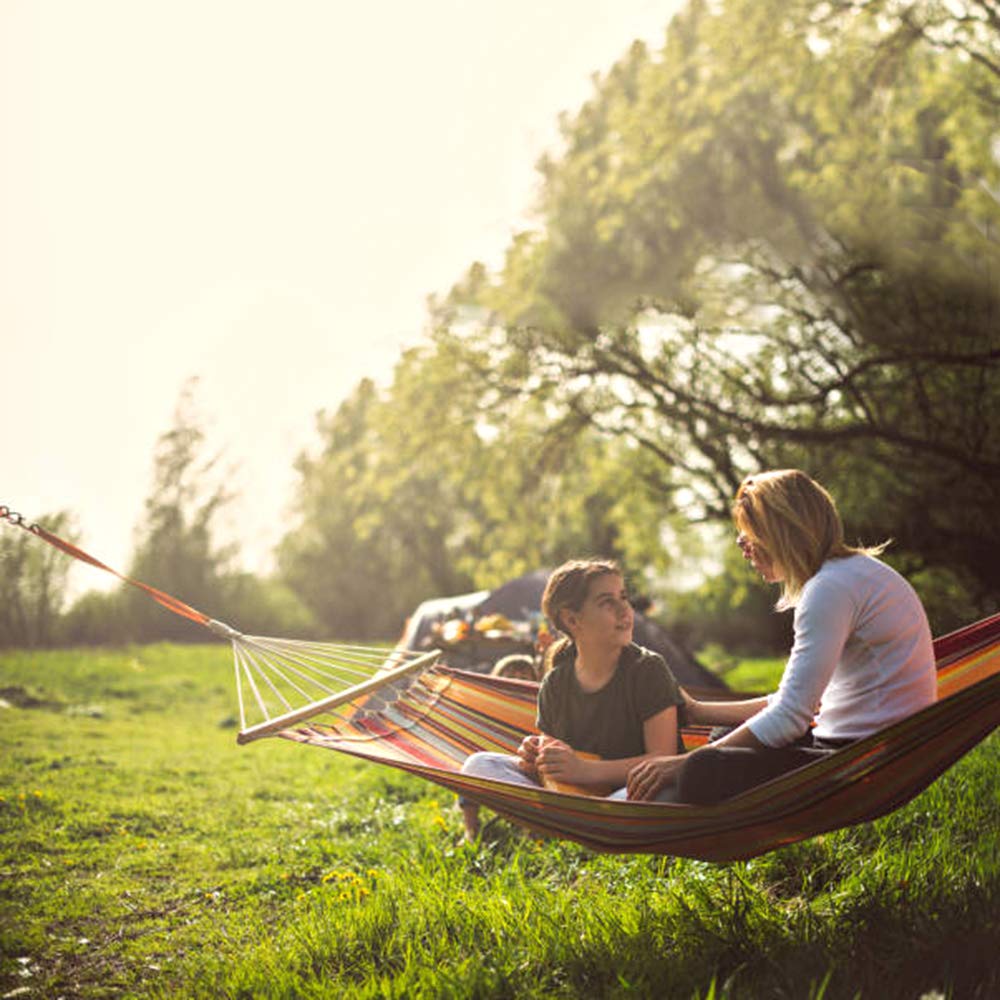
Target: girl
(862, 658)
(602, 694)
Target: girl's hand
(528, 754)
(557, 760)
(649, 776)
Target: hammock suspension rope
(280, 682)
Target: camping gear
(426, 719)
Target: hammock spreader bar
(275, 725)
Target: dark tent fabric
(520, 599)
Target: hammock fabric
(447, 714)
(396, 707)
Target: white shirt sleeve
(824, 620)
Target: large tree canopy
(772, 242)
(775, 242)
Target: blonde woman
(603, 695)
(862, 656)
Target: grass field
(142, 853)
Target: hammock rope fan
(404, 709)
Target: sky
(259, 194)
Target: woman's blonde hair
(796, 523)
(567, 589)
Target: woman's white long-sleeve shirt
(862, 656)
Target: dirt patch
(16, 696)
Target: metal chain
(6, 514)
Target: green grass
(142, 853)
(754, 676)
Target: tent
(512, 615)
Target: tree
(413, 496)
(33, 578)
(176, 548)
(177, 551)
(775, 242)
(354, 578)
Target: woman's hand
(691, 707)
(651, 775)
(557, 760)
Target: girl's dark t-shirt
(607, 722)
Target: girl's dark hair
(567, 589)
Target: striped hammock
(401, 708)
(442, 715)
